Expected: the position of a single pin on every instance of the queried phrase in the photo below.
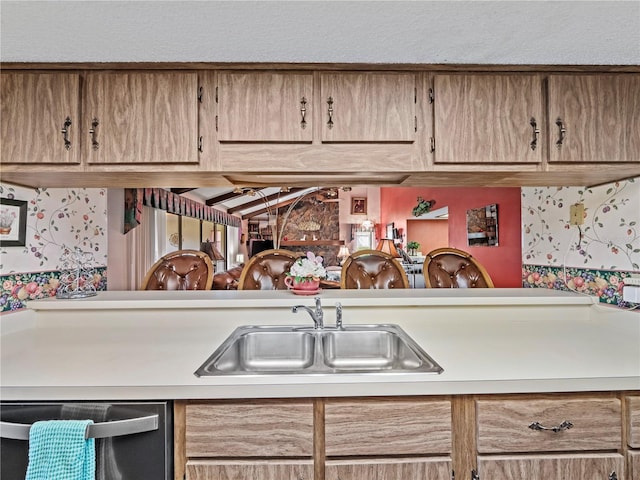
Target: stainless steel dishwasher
(134, 440)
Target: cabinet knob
(330, 112)
(562, 132)
(65, 133)
(94, 136)
(566, 425)
(536, 133)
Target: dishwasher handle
(20, 431)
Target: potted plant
(413, 247)
(305, 273)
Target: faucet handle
(338, 315)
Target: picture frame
(13, 222)
(358, 205)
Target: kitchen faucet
(316, 315)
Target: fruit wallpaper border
(605, 284)
(19, 288)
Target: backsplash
(593, 258)
(58, 219)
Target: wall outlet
(576, 214)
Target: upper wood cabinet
(368, 107)
(594, 118)
(488, 118)
(265, 107)
(37, 110)
(141, 118)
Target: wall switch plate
(576, 214)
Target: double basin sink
(255, 350)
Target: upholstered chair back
(267, 270)
(180, 270)
(453, 268)
(371, 269)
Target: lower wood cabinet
(390, 469)
(572, 436)
(552, 467)
(250, 470)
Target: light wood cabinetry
(506, 429)
(36, 108)
(381, 431)
(141, 118)
(245, 440)
(250, 470)
(594, 118)
(390, 469)
(553, 467)
(633, 436)
(368, 107)
(488, 119)
(265, 107)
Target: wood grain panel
(633, 464)
(252, 429)
(387, 427)
(633, 420)
(486, 118)
(436, 468)
(503, 425)
(34, 109)
(179, 447)
(464, 433)
(369, 107)
(552, 467)
(601, 114)
(250, 470)
(144, 118)
(264, 107)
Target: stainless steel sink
(252, 350)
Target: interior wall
(430, 234)
(504, 262)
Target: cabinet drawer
(387, 427)
(504, 425)
(255, 429)
(633, 419)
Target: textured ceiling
(422, 32)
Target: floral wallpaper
(594, 257)
(59, 220)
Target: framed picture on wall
(358, 206)
(13, 222)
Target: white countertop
(146, 345)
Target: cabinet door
(488, 118)
(565, 467)
(265, 107)
(250, 470)
(142, 118)
(389, 469)
(35, 107)
(368, 107)
(600, 115)
(633, 464)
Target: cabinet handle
(92, 132)
(613, 476)
(474, 475)
(562, 132)
(536, 133)
(65, 133)
(200, 144)
(566, 425)
(303, 113)
(330, 112)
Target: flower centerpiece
(306, 272)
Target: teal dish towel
(58, 450)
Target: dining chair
(180, 270)
(267, 270)
(372, 269)
(450, 267)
